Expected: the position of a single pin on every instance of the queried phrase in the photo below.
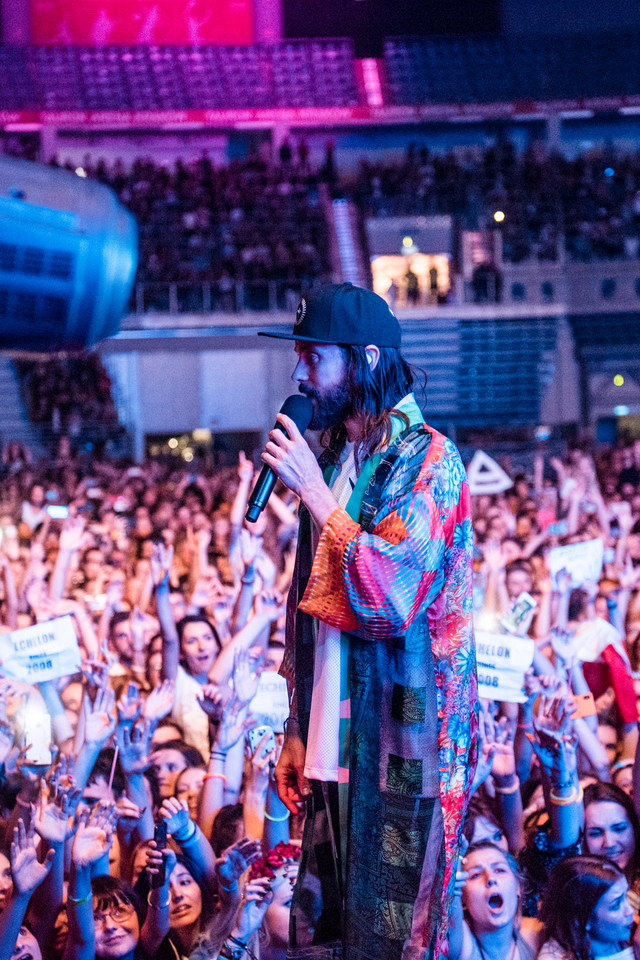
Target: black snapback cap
(342, 313)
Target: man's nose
(299, 375)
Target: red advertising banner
(296, 116)
(100, 22)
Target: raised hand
(26, 871)
(71, 535)
(232, 726)
(161, 560)
(222, 606)
(235, 860)
(255, 901)
(128, 813)
(53, 813)
(176, 813)
(155, 858)
(271, 604)
(504, 761)
(493, 556)
(128, 709)
(250, 544)
(159, 703)
(245, 468)
(134, 744)
(245, 676)
(212, 703)
(100, 722)
(94, 835)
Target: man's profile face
(321, 375)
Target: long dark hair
(373, 395)
(601, 792)
(575, 886)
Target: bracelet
(216, 755)
(156, 906)
(505, 791)
(242, 946)
(189, 836)
(276, 819)
(214, 776)
(80, 900)
(575, 796)
(525, 726)
(231, 889)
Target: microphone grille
(300, 409)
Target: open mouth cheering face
(491, 890)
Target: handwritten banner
(502, 663)
(44, 651)
(582, 560)
(271, 703)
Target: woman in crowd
(486, 921)
(171, 663)
(611, 830)
(586, 911)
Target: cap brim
(293, 336)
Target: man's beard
(331, 408)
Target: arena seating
(485, 70)
(294, 73)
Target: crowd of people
(260, 218)
(253, 221)
(249, 221)
(592, 200)
(178, 610)
(70, 394)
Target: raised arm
(27, 874)
(161, 560)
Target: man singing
(382, 740)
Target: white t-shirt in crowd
(188, 712)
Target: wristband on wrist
(231, 889)
(157, 906)
(575, 796)
(80, 900)
(215, 776)
(218, 755)
(505, 791)
(242, 947)
(189, 837)
(276, 819)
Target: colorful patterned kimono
(396, 579)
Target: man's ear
(373, 355)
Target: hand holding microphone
(279, 456)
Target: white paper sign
(271, 703)
(502, 663)
(44, 651)
(582, 560)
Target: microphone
(300, 409)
